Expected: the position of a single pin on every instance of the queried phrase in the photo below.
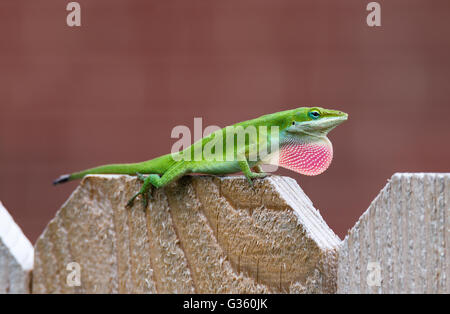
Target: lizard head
(315, 121)
(304, 146)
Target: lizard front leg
(249, 174)
(258, 169)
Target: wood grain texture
(200, 234)
(16, 256)
(406, 230)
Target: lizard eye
(314, 114)
(293, 122)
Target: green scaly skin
(304, 124)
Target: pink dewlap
(306, 158)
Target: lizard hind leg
(145, 191)
(156, 181)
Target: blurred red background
(113, 89)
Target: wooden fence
(218, 235)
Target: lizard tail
(62, 179)
(157, 166)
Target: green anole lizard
(295, 139)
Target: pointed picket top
(200, 234)
(401, 242)
(16, 256)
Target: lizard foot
(256, 175)
(145, 196)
